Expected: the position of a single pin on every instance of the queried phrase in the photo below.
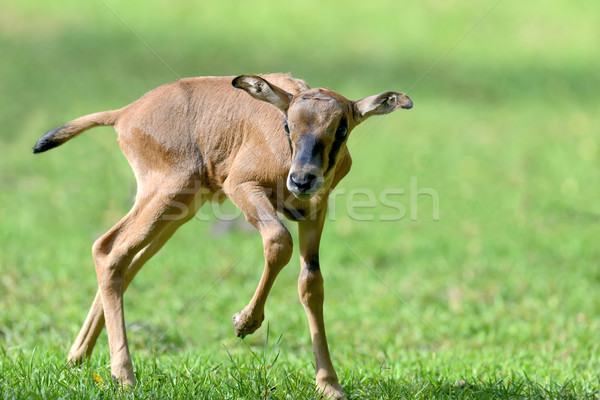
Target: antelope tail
(68, 131)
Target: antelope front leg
(310, 289)
(277, 244)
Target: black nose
(303, 183)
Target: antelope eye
(342, 130)
(286, 127)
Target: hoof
(123, 375)
(74, 362)
(331, 391)
(75, 359)
(245, 323)
(125, 381)
(334, 394)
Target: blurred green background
(505, 130)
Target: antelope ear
(262, 90)
(383, 103)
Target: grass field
(496, 298)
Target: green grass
(496, 299)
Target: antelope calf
(269, 143)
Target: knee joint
(278, 247)
(310, 286)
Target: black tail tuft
(48, 141)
